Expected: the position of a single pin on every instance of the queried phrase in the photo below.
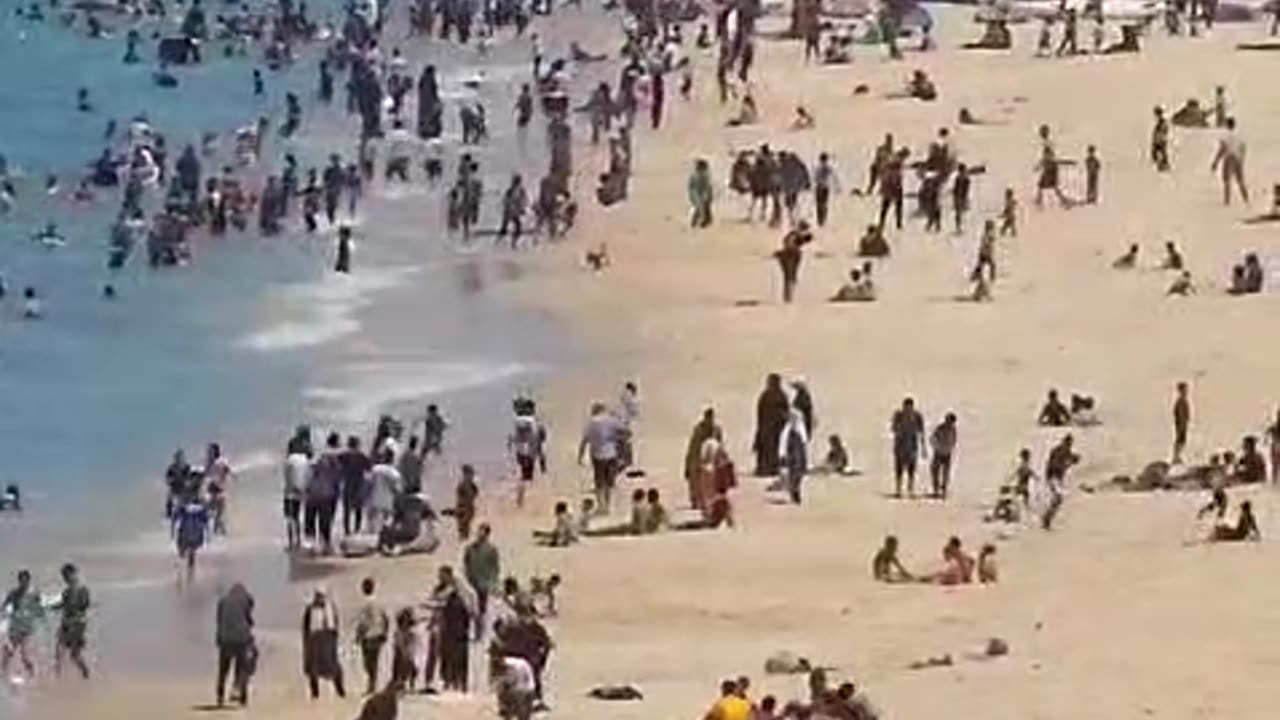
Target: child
(1009, 215)
(1092, 170)
(404, 648)
(837, 456)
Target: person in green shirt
(483, 569)
(701, 193)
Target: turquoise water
(250, 338)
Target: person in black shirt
(1054, 413)
(354, 466)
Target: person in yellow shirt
(731, 705)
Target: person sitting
(1254, 275)
(411, 528)
(1128, 41)
(921, 87)
(837, 51)
(748, 113)
(563, 533)
(1127, 261)
(639, 512)
(1237, 286)
(837, 460)
(1172, 257)
(885, 566)
(598, 259)
(872, 244)
(1190, 115)
(1054, 413)
(957, 566)
(11, 499)
(1083, 410)
(803, 120)
(995, 36)
(656, 517)
(1246, 527)
(1251, 468)
(988, 571)
(1006, 509)
(1217, 506)
(856, 290)
(1182, 285)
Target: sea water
(255, 335)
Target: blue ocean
(252, 337)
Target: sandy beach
(1112, 615)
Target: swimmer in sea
(82, 100)
(31, 307)
(11, 499)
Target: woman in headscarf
(803, 401)
(771, 417)
(793, 448)
(320, 644)
(693, 455)
(454, 631)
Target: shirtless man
(1230, 158)
(885, 566)
(1061, 459)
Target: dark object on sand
(861, 89)
(177, 51)
(785, 663)
(164, 79)
(1264, 45)
(996, 648)
(932, 662)
(615, 693)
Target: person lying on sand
(1127, 261)
(1246, 527)
(885, 566)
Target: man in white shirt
(601, 438)
(297, 472)
(1230, 158)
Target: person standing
(907, 426)
(961, 189)
(354, 466)
(695, 474)
(342, 264)
(453, 631)
(483, 569)
(1061, 458)
(772, 410)
(523, 444)
(464, 504)
(789, 257)
(320, 644)
(297, 476)
(1230, 158)
(1092, 175)
(321, 496)
(701, 194)
(825, 182)
(600, 437)
(72, 630)
(657, 96)
(891, 187)
(793, 449)
(1181, 421)
(372, 628)
(235, 643)
(943, 439)
(1160, 140)
(434, 427)
(515, 204)
(410, 464)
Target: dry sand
(1112, 615)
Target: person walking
(482, 566)
(907, 426)
(372, 628)
(825, 182)
(236, 648)
(74, 606)
(701, 194)
(320, 644)
(1230, 158)
(789, 257)
(943, 439)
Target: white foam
(319, 312)
(373, 386)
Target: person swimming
(11, 499)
